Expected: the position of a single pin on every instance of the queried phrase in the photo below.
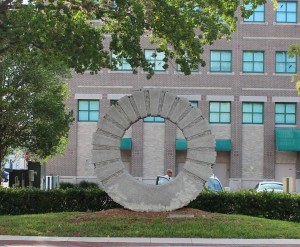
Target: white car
(269, 186)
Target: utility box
(288, 184)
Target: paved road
(32, 241)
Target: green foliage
(32, 106)
(280, 206)
(88, 185)
(15, 201)
(66, 185)
(82, 185)
(62, 30)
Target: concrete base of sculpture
(120, 185)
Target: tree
(32, 106)
(60, 28)
(295, 50)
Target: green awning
(287, 139)
(221, 144)
(181, 144)
(126, 144)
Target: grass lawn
(125, 223)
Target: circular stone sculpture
(136, 195)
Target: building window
(156, 59)
(194, 103)
(154, 120)
(258, 14)
(113, 102)
(121, 63)
(285, 113)
(285, 64)
(253, 113)
(219, 112)
(220, 61)
(88, 110)
(286, 12)
(253, 61)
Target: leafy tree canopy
(33, 115)
(63, 31)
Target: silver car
(269, 186)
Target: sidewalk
(27, 241)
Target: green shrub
(88, 185)
(66, 185)
(271, 205)
(15, 201)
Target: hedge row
(281, 206)
(32, 201)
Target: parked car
(269, 186)
(213, 182)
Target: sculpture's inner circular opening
(163, 147)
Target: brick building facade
(245, 91)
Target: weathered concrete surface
(120, 185)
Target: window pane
(257, 118)
(247, 56)
(226, 66)
(280, 56)
(194, 104)
(279, 118)
(149, 119)
(83, 105)
(83, 116)
(225, 118)
(226, 56)
(257, 107)
(247, 66)
(159, 119)
(291, 17)
(247, 118)
(280, 108)
(258, 56)
(215, 66)
(225, 107)
(259, 17)
(94, 116)
(260, 8)
(290, 108)
(281, 7)
(290, 119)
(291, 59)
(160, 55)
(280, 17)
(94, 105)
(214, 117)
(291, 7)
(214, 107)
(148, 54)
(215, 55)
(258, 67)
(159, 65)
(280, 67)
(291, 68)
(247, 107)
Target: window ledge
(192, 73)
(119, 71)
(220, 73)
(286, 23)
(243, 73)
(157, 72)
(284, 74)
(254, 23)
(286, 125)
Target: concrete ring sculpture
(110, 170)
